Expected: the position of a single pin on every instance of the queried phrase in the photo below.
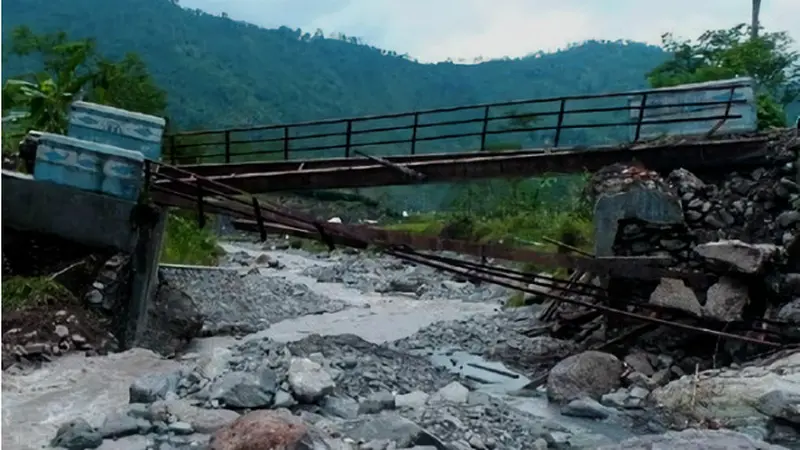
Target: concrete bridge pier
(99, 222)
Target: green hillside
(220, 72)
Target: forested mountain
(220, 72)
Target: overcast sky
(434, 30)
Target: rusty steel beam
(281, 220)
(217, 169)
(624, 267)
(421, 259)
(665, 156)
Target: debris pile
(735, 292)
(337, 392)
(761, 205)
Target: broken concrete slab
(741, 256)
(673, 293)
(726, 300)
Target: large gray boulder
(693, 440)
(588, 374)
(731, 394)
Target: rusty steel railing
(351, 134)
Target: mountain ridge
(219, 72)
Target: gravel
(249, 302)
(382, 274)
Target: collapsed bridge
(720, 125)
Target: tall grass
(30, 292)
(522, 212)
(186, 243)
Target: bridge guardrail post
(285, 143)
(414, 134)
(227, 146)
(262, 231)
(642, 107)
(485, 127)
(173, 151)
(348, 138)
(201, 217)
(562, 107)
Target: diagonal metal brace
(410, 173)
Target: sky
(434, 30)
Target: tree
(73, 70)
(722, 54)
(756, 10)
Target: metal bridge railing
(290, 141)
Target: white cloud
(433, 30)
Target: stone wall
(741, 228)
(761, 205)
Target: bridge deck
(362, 172)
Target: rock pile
(742, 230)
(342, 393)
(758, 206)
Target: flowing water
(36, 403)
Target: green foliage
(186, 243)
(31, 292)
(722, 54)
(520, 214)
(69, 70)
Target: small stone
(119, 425)
(37, 349)
(539, 444)
(308, 380)
(639, 362)
(283, 399)
(153, 387)
(94, 297)
(181, 428)
(639, 392)
(477, 443)
(788, 218)
(377, 402)
(454, 392)
(343, 407)
(416, 399)
(587, 408)
(246, 390)
(77, 435)
(62, 331)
